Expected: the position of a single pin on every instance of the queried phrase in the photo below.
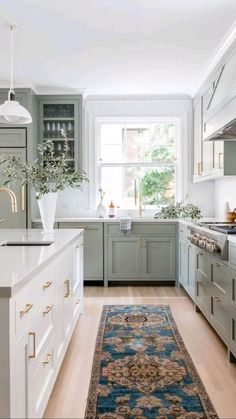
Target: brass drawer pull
(33, 355)
(48, 359)
(47, 284)
(199, 168)
(216, 299)
(47, 309)
(67, 283)
(218, 265)
(26, 309)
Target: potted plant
(48, 174)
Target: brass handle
(199, 168)
(216, 299)
(48, 359)
(219, 157)
(47, 284)
(26, 309)
(47, 309)
(33, 355)
(67, 283)
(23, 196)
(218, 265)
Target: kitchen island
(41, 294)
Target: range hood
(226, 133)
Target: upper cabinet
(62, 112)
(214, 106)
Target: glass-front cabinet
(58, 114)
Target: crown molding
(46, 90)
(5, 84)
(227, 43)
(137, 97)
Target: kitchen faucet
(138, 195)
(13, 199)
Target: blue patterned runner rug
(141, 368)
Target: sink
(21, 243)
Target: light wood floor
(68, 399)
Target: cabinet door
(20, 384)
(197, 114)
(67, 304)
(202, 282)
(233, 332)
(218, 156)
(18, 219)
(12, 137)
(183, 262)
(207, 157)
(57, 112)
(219, 308)
(124, 258)
(158, 258)
(232, 284)
(191, 270)
(78, 277)
(93, 249)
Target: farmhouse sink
(22, 243)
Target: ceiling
(113, 46)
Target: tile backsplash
(225, 190)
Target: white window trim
(96, 181)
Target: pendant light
(11, 112)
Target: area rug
(141, 368)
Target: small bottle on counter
(111, 210)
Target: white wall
(75, 203)
(225, 190)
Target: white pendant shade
(11, 112)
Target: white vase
(47, 208)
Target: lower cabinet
(187, 253)
(213, 292)
(42, 318)
(232, 329)
(93, 249)
(138, 256)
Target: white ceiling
(113, 46)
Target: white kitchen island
(41, 294)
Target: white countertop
(108, 220)
(19, 263)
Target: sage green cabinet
(140, 256)
(219, 298)
(213, 292)
(18, 219)
(62, 112)
(93, 248)
(232, 324)
(123, 259)
(187, 266)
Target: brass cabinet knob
(26, 309)
(47, 284)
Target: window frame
(132, 120)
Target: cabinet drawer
(232, 339)
(143, 229)
(232, 284)
(25, 307)
(41, 379)
(219, 275)
(232, 255)
(219, 311)
(12, 137)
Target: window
(144, 151)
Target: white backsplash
(225, 190)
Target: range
(212, 236)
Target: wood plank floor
(68, 399)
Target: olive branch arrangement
(48, 173)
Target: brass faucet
(13, 198)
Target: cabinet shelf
(58, 139)
(59, 119)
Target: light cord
(11, 58)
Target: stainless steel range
(212, 236)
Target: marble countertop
(19, 263)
